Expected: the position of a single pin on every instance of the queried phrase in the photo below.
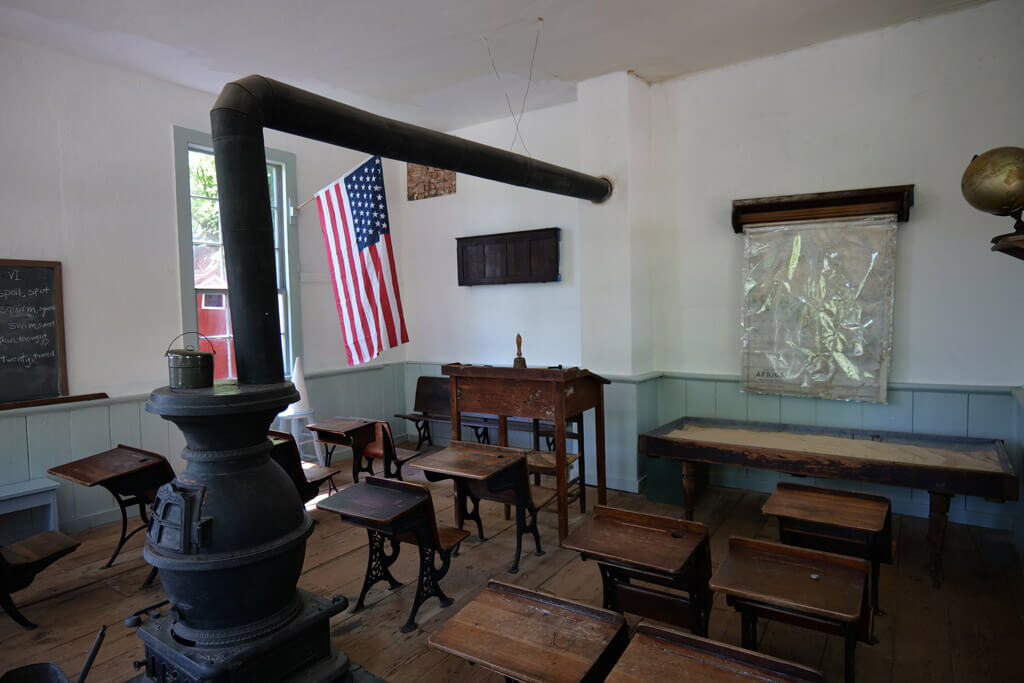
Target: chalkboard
(33, 364)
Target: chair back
(384, 440)
(285, 453)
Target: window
(206, 302)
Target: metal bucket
(189, 368)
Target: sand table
(966, 456)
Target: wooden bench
(33, 493)
(432, 404)
(808, 588)
(844, 522)
(534, 637)
(401, 512)
(307, 477)
(20, 563)
(664, 551)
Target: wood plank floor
(972, 629)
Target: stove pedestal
(301, 651)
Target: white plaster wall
(87, 178)
(479, 324)
(603, 105)
(909, 104)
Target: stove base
(300, 651)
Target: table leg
(850, 643)
(748, 628)
(123, 505)
(522, 507)
(462, 511)
(561, 476)
(377, 565)
(328, 453)
(149, 579)
(582, 462)
(938, 511)
(536, 447)
(875, 572)
(602, 493)
(54, 525)
(8, 606)
(689, 487)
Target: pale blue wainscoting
(990, 412)
(34, 439)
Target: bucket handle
(189, 348)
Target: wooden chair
(383, 448)
(308, 478)
(543, 462)
(21, 561)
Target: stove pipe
(229, 533)
(247, 106)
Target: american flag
(354, 218)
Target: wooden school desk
(132, 476)
(488, 473)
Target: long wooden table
(941, 465)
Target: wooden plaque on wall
(509, 257)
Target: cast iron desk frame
(942, 483)
(505, 482)
(617, 573)
(553, 394)
(130, 474)
(391, 510)
(354, 432)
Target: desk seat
(20, 563)
(449, 537)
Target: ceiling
(426, 61)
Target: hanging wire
(516, 120)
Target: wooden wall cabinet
(507, 257)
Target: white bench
(33, 493)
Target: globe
(994, 181)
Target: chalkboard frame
(58, 286)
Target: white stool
(295, 424)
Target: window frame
(185, 140)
